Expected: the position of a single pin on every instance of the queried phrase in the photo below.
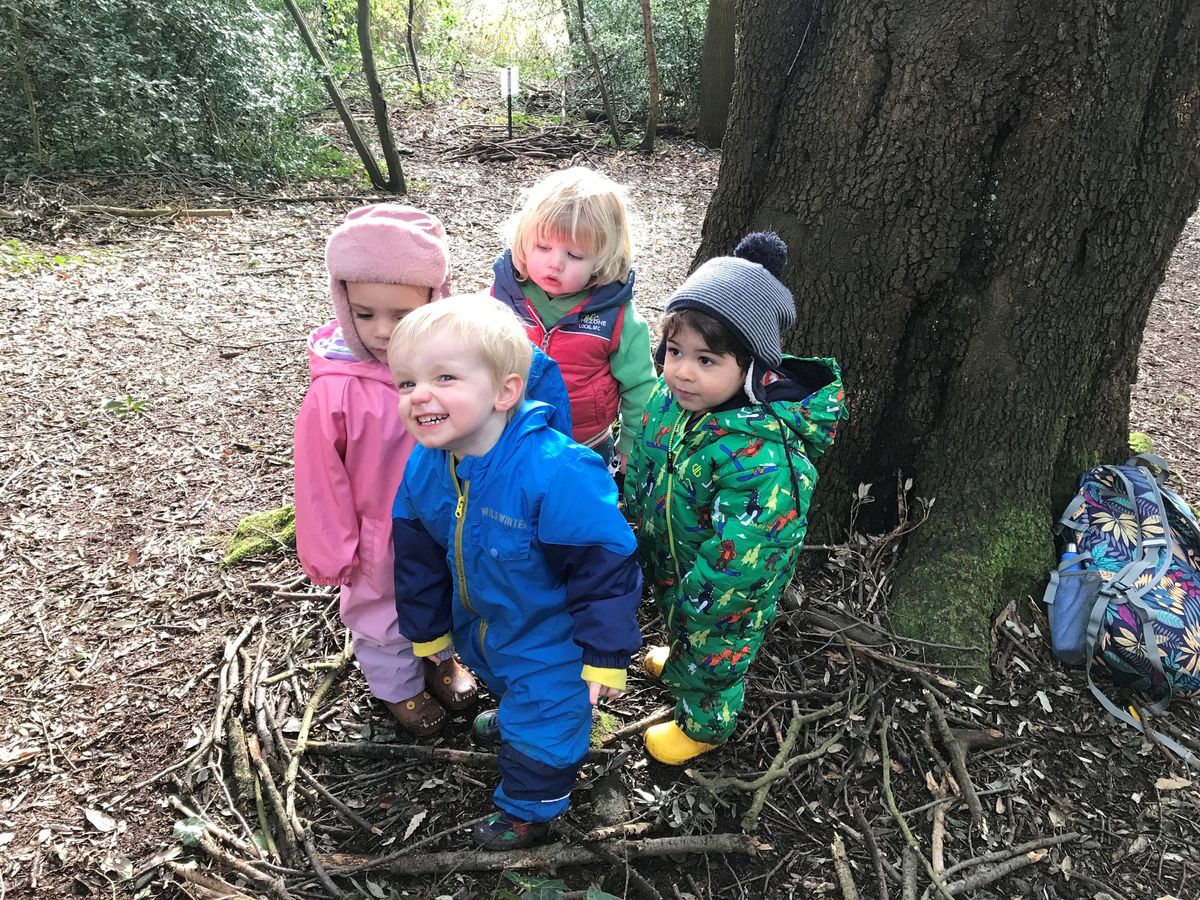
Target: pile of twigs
(492, 144)
(256, 806)
(858, 766)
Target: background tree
(647, 144)
(616, 29)
(716, 71)
(395, 177)
(379, 107)
(610, 112)
(412, 49)
(980, 201)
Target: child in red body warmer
(567, 276)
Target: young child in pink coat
(351, 448)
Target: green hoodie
(721, 517)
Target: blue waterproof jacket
(536, 576)
(545, 383)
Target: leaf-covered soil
(148, 381)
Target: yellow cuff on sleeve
(437, 645)
(613, 678)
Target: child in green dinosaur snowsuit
(719, 483)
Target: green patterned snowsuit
(720, 528)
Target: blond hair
(582, 206)
(480, 322)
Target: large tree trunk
(980, 200)
(716, 71)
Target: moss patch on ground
(262, 533)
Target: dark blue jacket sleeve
(424, 590)
(546, 384)
(589, 546)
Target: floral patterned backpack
(1126, 593)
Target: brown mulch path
(148, 384)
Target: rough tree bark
(716, 71)
(980, 200)
(647, 145)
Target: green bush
(213, 88)
(616, 30)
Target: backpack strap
(1156, 464)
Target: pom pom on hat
(743, 292)
(765, 248)
(386, 243)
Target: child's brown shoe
(452, 684)
(421, 715)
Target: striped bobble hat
(743, 292)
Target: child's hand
(436, 658)
(596, 690)
(623, 462)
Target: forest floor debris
(166, 715)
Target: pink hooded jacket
(350, 453)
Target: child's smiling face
(378, 308)
(448, 400)
(699, 378)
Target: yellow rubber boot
(654, 660)
(668, 744)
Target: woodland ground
(148, 384)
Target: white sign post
(508, 88)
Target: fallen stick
(841, 865)
(163, 212)
(958, 755)
(339, 807)
(264, 822)
(551, 856)
(239, 761)
(277, 805)
(868, 838)
(996, 872)
(937, 834)
(369, 863)
(625, 830)
(908, 866)
(310, 712)
(780, 766)
(569, 831)
(218, 886)
(274, 886)
(886, 756)
(368, 750)
(997, 855)
(655, 718)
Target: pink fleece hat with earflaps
(388, 244)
